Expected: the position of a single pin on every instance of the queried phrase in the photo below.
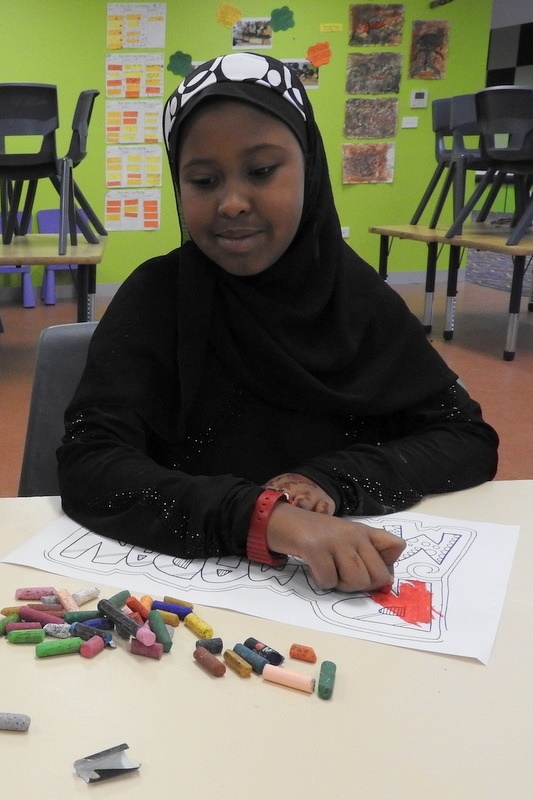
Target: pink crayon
(34, 592)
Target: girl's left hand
(303, 492)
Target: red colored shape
(412, 602)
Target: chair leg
(457, 225)
(523, 224)
(442, 196)
(28, 207)
(28, 294)
(12, 207)
(48, 288)
(497, 184)
(427, 194)
(91, 216)
(65, 166)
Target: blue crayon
(257, 661)
(104, 623)
(181, 611)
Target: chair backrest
(30, 110)
(464, 122)
(505, 115)
(48, 220)
(80, 126)
(441, 123)
(60, 359)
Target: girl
(262, 361)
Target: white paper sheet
(447, 597)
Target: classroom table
(480, 236)
(401, 723)
(42, 248)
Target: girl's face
(241, 177)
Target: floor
(504, 388)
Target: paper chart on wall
(447, 597)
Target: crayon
(257, 661)
(67, 601)
(87, 632)
(157, 624)
(237, 663)
(285, 677)
(126, 624)
(26, 637)
(14, 722)
(91, 647)
(303, 653)
(85, 595)
(5, 622)
(59, 647)
(271, 655)
(23, 626)
(173, 608)
(33, 592)
(214, 645)
(177, 602)
(81, 616)
(209, 662)
(151, 651)
(326, 680)
(58, 630)
(28, 614)
(119, 599)
(198, 626)
(136, 605)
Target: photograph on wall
(368, 163)
(376, 24)
(370, 118)
(429, 49)
(252, 33)
(376, 73)
(306, 72)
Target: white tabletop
(401, 723)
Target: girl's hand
(343, 555)
(303, 492)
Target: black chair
(505, 115)
(454, 118)
(26, 110)
(61, 356)
(31, 110)
(64, 181)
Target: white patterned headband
(264, 81)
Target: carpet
(495, 270)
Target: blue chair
(49, 221)
(28, 294)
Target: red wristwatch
(256, 544)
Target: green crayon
(6, 620)
(157, 625)
(326, 680)
(119, 599)
(58, 647)
(31, 636)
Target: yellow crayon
(169, 618)
(198, 626)
(176, 602)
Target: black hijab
(318, 330)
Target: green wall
(64, 42)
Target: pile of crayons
(57, 624)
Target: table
(479, 236)
(42, 248)
(401, 723)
